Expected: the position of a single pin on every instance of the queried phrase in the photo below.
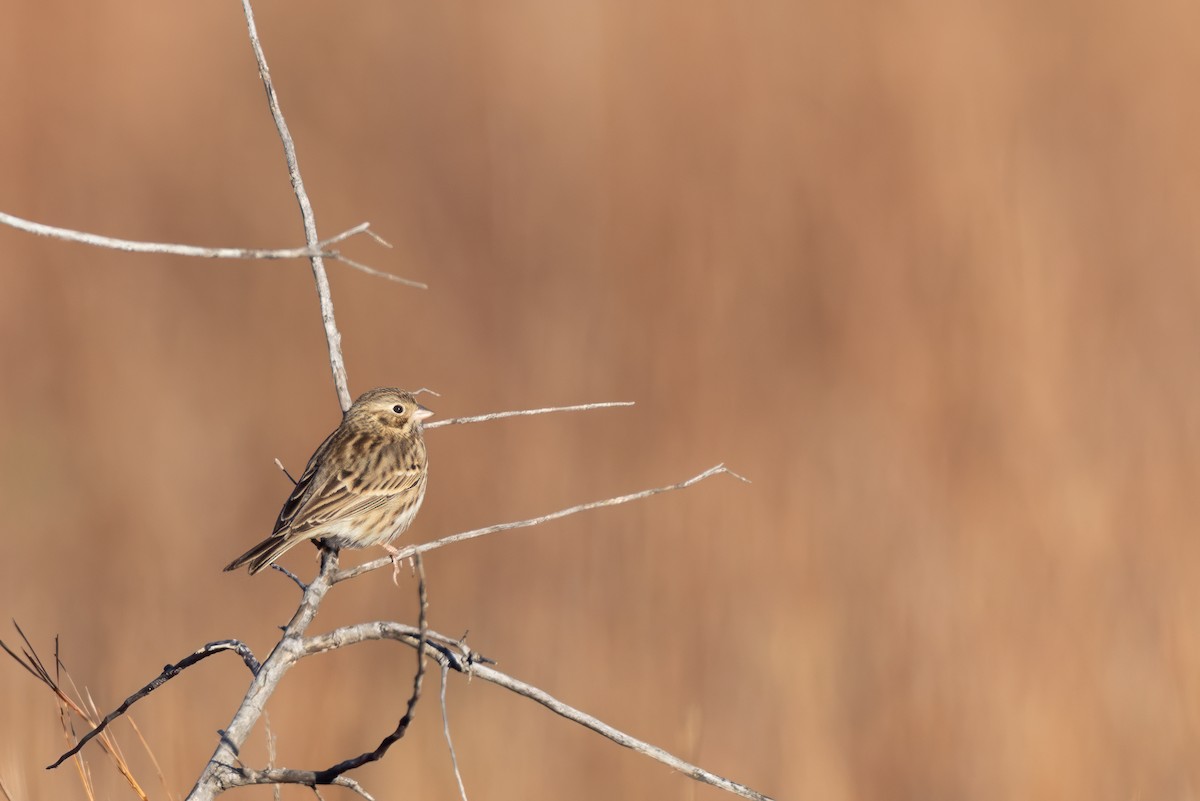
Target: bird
(363, 486)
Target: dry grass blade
(153, 759)
(37, 668)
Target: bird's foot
(397, 561)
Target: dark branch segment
(331, 773)
(169, 672)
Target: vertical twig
(332, 336)
(462, 790)
(275, 789)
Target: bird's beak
(421, 413)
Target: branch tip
(379, 239)
(739, 477)
(454, 421)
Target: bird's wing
(344, 496)
(305, 485)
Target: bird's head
(388, 408)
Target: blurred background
(924, 272)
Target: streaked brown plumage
(362, 487)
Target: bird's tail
(264, 553)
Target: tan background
(925, 272)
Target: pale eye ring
(398, 409)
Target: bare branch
(412, 550)
(279, 776)
(332, 336)
(171, 249)
(526, 413)
(449, 650)
(168, 673)
(377, 630)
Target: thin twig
(379, 239)
(169, 672)
(332, 336)
(276, 789)
(412, 550)
(462, 790)
(299, 582)
(526, 413)
(379, 273)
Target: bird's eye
(398, 409)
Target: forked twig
(172, 249)
(319, 249)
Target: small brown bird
(362, 487)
